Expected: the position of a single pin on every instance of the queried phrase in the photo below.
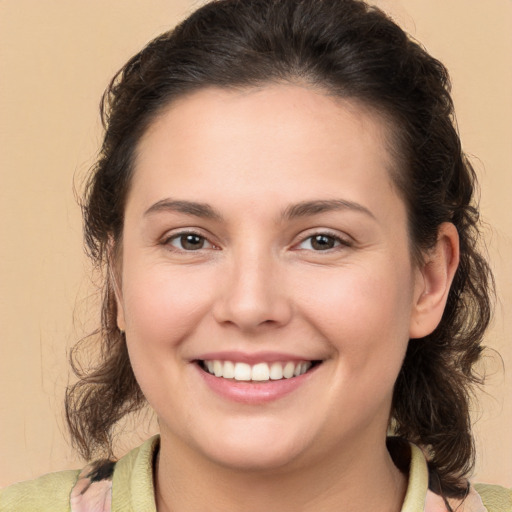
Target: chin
(254, 459)
(254, 448)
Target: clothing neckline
(129, 486)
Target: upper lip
(254, 358)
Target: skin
(257, 284)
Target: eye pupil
(192, 242)
(322, 242)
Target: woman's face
(264, 237)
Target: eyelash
(181, 235)
(327, 236)
(338, 241)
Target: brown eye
(321, 242)
(188, 242)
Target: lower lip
(250, 392)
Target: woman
(288, 229)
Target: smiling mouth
(259, 372)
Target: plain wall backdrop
(56, 58)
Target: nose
(253, 293)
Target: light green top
(133, 491)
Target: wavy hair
(350, 50)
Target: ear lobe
(435, 277)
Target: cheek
(163, 308)
(364, 315)
(358, 300)
(161, 304)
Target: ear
(434, 278)
(114, 276)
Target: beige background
(56, 57)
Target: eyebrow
(202, 210)
(309, 208)
(302, 209)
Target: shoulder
(48, 492)
(481, 497)
(495, 497)
(125, 485)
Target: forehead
(261, 140)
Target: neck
(187, 482)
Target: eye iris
(322, 242)
(192, 242)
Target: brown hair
(350, 50)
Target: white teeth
(260, 372)
(306, 366)
(229, 370)
(288, 370)
(242, 371)
(276, 371)
(217, 369)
